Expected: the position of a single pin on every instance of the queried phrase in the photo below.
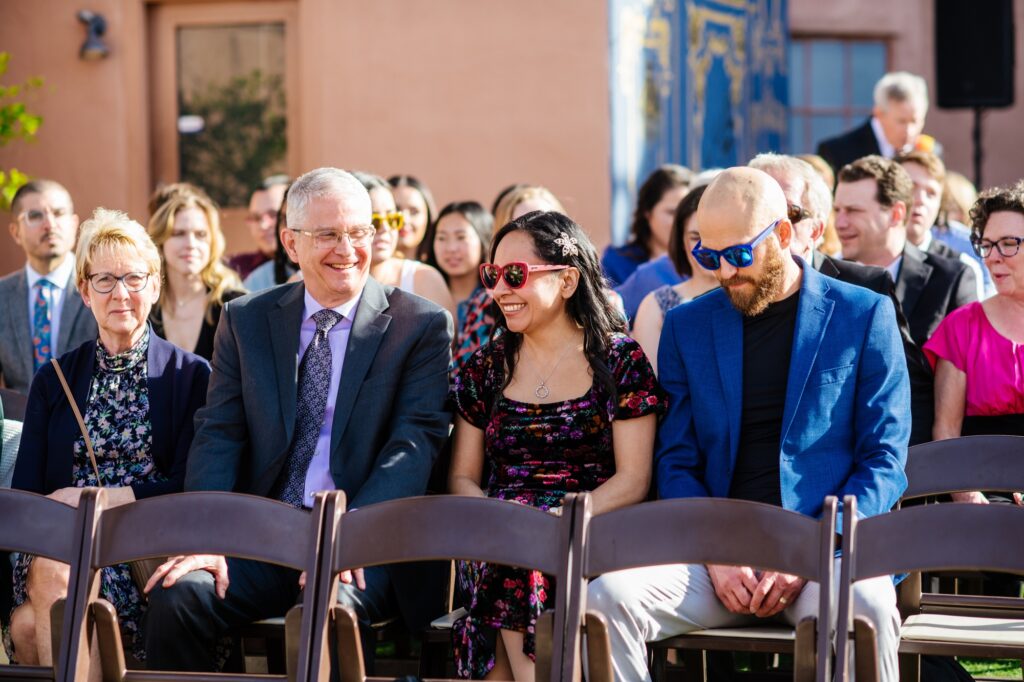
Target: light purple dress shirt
(318, 475)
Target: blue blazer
(177, 388)
(846, 422)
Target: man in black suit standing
(872, 199)
(901, 103)
(335, 382)
(810, 205)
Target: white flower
(568, 245)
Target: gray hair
(816, 199)
(321, 183)
(901, 86)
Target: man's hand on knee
(355, 574)
(775, 593)
(174, 568)
(734, 586)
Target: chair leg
(910, 668)
(865, 642)
(695, 665)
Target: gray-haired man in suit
(336, 382)
(42, 314)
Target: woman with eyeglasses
(137, 394)
(186, 229)
(385, 266)
(561, 400)
(416, 203)
(978, 350)
(696, 280)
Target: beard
(766, 287)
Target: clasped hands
(174, 568)
(744, 592)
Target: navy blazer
(846, 420)
(177, 388)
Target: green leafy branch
(16, 123)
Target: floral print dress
(537, 453)
(117, 416)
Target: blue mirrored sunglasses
(739, 256)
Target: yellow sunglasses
(394, 219)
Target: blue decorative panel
(697, 82)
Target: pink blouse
(994, 364)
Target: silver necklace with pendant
(542, 391)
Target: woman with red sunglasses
(561, 400)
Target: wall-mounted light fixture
(95, 26)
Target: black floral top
(536, 454)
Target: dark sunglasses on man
(738, 256)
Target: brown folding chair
(443, 527)
(937, 537)
(718, 531)
(37, 525)
(231, 524)
(14, 404)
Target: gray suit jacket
(77, 325)
(390, 417)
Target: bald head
(737, 205)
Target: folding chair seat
(938, 537)
(455, 527)
(34, 524)
(231, 524)
(718, 531)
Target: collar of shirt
(927, 241)
(346, 310)
(888, 151)
(894, 267)
(59, 278)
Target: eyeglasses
(796, 213)
(259, 216)
(515, 274)
(34, 217)
(104, 282)
(330, 239)
(393, 219)
(1007, 246)
(739, 256)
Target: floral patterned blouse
(117, 416)
(536, 453)
(474, 328)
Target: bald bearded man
(809, 372)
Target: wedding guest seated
(278, 270)
(416, 203)
(518, 200)
(186, 230)
(656, 203)
(685, 235)
(977, 351)
(386, 266)
(261, 219)
(458, 243)
(138, 394)
(562, 400)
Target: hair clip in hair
(568, 245)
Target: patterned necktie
(314, 382)
(42, 342)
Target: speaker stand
(978, 152)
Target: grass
(984, 667)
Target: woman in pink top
(978, 350)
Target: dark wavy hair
(663, 179)
(677, 239)
(476, 215)
(283, 266)
(993, 200)
(589, 306)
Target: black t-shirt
(767, 347)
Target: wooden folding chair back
(940, 537)
(34, 524)
(443, 527)
(993, 463)
(231, 524)
(14, 404)
(716, 531)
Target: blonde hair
(218, 278)
(109, 230)
(958, 193)
(508, 203)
